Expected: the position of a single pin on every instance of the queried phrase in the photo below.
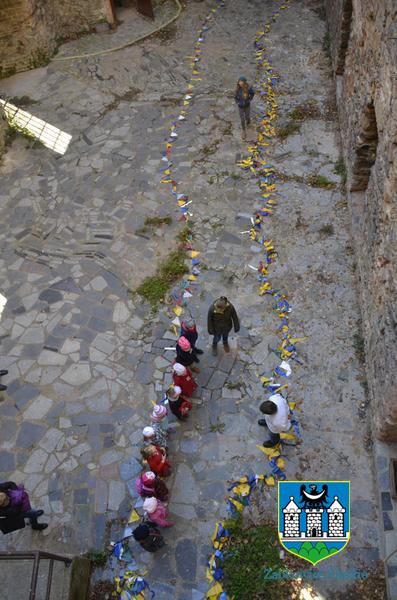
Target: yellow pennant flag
(178, 310)
(270, 452)
(215, 591)
(133, 516)
(269, 480)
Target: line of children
(149, 484)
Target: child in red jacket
(182, 377)
(156, 459)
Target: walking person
(156, 436)
(179, 405)
(156, 512)
(222, 316)
(159, 418)
(185, 355)
(189, 331)
(156, 459)
(148, 485)
(182, 377)
(277, 418)
(243, 96)
(148, 537)
(15, 508)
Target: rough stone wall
(29, 29)
(363, 36)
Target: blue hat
(242, 78)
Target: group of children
(150, 485)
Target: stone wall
(363, 37)
(29, 29)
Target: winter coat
(221, 323)
(159, 516)
(11, 518)
(180, 407)
(185, 382)
(158, 490)
(189, 334)
(240, 100)
(154, 540)
(158, 464)
(185, 358)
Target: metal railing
(36, 556)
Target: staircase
(43, 576)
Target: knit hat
(148, 432)
(176, 391)
(179, 369)
(141, 532)
(148, 477)
(242, 78)
(190, 323)
(184, 344)
(150, 505)
(159, 413)
(4, 499)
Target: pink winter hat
(184, 344)
(159, 413)
(150, 505)
(148, 477)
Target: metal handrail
(36, 556)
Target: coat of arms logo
(314, 518)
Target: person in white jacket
(277, 418)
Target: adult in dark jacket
(243, 96)
(15, 507)
(222, 316)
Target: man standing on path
(221, 317)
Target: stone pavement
(86, 360)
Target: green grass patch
(320, 181)
(154, 289)
(185, 235)
(359, 347)
(288, 129)
(340, 169)
(327, 46)
(97, 558)
(327, 229)
(248, 553)
(158, 221)
(307, 110)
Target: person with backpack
(179, 405)
(189, 331)
(149, 485)
(243, 95)
(183, 378)
(277, 418)
(185, 355)
(148, 537)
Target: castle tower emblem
(310, 525)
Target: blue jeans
(217, 338)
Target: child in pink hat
(156, 512)
(185, 354)
(149, 485)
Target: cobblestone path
(86, 361)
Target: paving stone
(7, 461)
(184, 490)
(36, 461)
(38, 408)
(387, 522)
(217, 380)
(29, 435)
(186, 559)
(121, 313)
(386, 501)
(8, 429)
(52, 440)
(130, 469)
(116, 494)
(51, 358)
(51, 296)
(144, 373)
(110, 457)
(362, 509)
(80, 496)
(77, 375)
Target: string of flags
(129, 583)
(257, 164)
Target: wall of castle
(363, 36)
(30, 29)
